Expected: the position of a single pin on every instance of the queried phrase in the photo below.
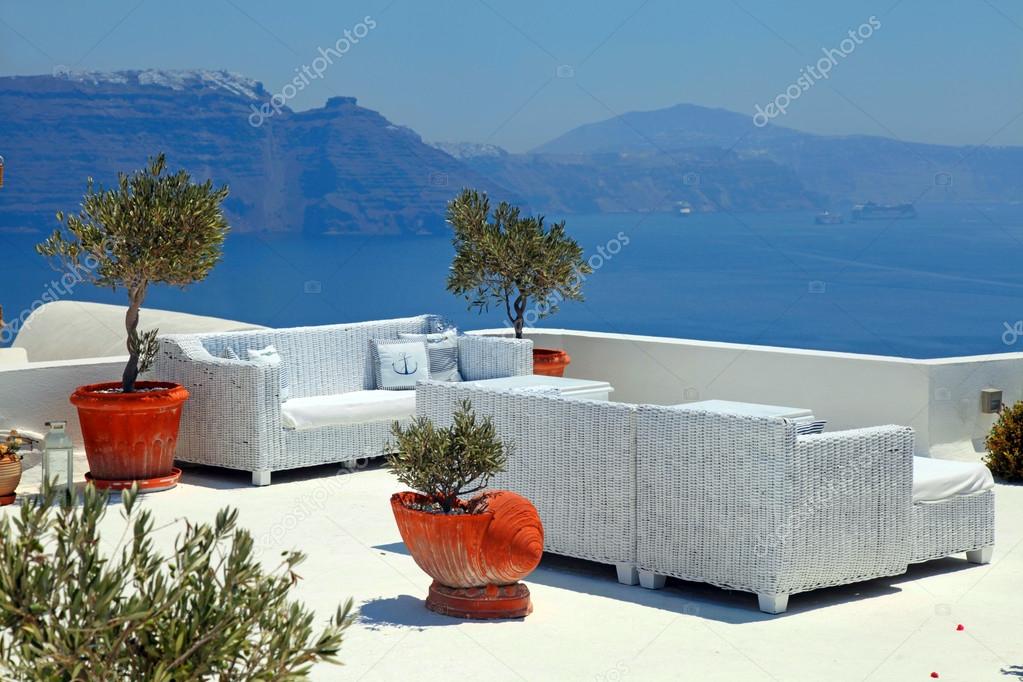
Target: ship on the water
(872, 211)
(828, 218)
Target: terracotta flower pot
(475, 560)
(10, 477)
(131, 437)
(550, 361)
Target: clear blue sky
(484, 70)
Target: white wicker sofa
(736, 501)
(233, 417)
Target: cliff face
(340, 168)
(343, 168)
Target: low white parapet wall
(939, 398)
(34, 393)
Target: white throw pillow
(442, 348)
(270, 356)
(398, 365)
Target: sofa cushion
(267, 356)
(356, 407)
(442, 348)
(400, 364)
(940, 479)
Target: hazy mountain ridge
(342, 168)
(852, 168)
(339, 168)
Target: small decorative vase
(476, 560)
(10, 477)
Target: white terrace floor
(585, 626)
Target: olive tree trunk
(136, 295)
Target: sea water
(945, 284)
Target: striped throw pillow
(806, 428)
(442, 348)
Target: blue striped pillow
(806, 428)
(443, 351)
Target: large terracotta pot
(475, 560)
(131, 437)
(10, 477)
(550, 361)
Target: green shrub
(1005, 444)
(446, 463)
(505, 259)
(69, 611)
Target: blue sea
(947, 283)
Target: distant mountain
(841, 168)
(340, 168)
(679, 127)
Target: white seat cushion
(356, 407)
(940, 479)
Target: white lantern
(59, 457)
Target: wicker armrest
(492, 357)
(232, 417)
(851, 495)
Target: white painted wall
(32, 394)
(940, 399)
(13, 356)
(66, 330)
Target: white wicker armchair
(743, 503)
(233, 416)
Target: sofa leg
(627, 574)
(773, 603)
(651, 580)
(261, 477)
(981, 556)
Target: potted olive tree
(476, 550)
(515, 262)
(152, 228)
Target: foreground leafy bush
(1005, 444)
(71, 609)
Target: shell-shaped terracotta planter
(130, 436)
(476, 560)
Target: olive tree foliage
(444, 463)
(152, 228)
(70, 611)
(510, 260)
